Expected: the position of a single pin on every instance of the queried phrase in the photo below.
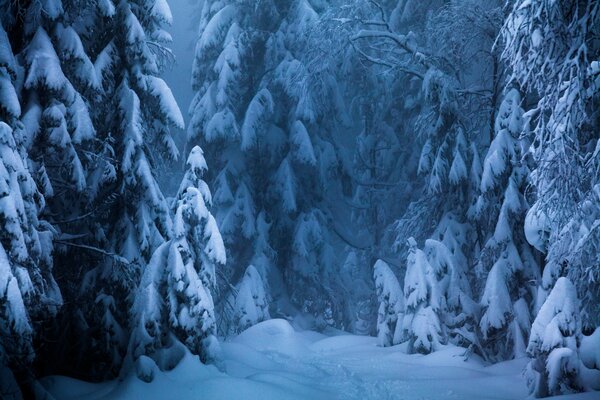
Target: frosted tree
(554, 343)
(227, 109)
(270, 163)
(391, 305)
(251, 302)
(424, 303)
(360, 301)
(305, 182)
(28, 291)
(135, 218)
(561, 126)
(439, 307)
(509, 293)
(448, 264)
(56, 117)
(452, 118)
(174, 300)
(309, 280)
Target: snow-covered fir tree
(459, 316)
(391, 305)
(228, 49)
(251, 302)
(134, 218)
(56, 115)
(269, 163)
(307, 168)
(174, 300)
(424, 304)
(554, 343)
(438, 300)
(28, 291)
(553, 55)
(512, 272)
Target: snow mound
(275, 335)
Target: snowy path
(272, 361)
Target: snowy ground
(273, 361)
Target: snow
(52, 8)
(135, 31)
(196, 161)
(391, 304)
(215, 30)
(285, 184)
(496, 298)
(215, 248)
(8, 96)
(157, 88)
(43, 62)
(251, 305)
(161, 10)
(272, 360)
(106, 7)
(222, 125)
(9, 290)
(590, 350)
(537, 228)
(70, 47)
(260, 105)
(301, 144)
(7, 59)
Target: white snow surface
(272, 360)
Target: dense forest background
(426, 171)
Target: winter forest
(299, 199)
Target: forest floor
(273, 361)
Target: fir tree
(391, 305)
(28, 291)
(251, 302)
(561, 128)
(508, 296)
(424, 304)
(174, 298)
(136, 220)
(554, 343)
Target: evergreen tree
(554, 343)
(28, 291)
(225, 112)
(358, 294)
(509, 292)
(57, 71)
(271, 165)
(460, 313)
(251, 302)
(424, 304)
(174, 298)
(135, 220)
(552, 51)
(303, 187)
(391, 305)
(438, 302)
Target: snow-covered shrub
(424, 304)
(458, 315)
(391, 305)
(554, 343)
(251, 302)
